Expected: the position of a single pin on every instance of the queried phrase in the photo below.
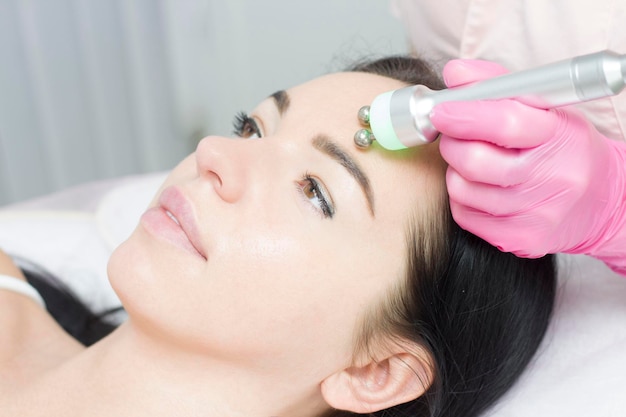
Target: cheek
(297, 278)
(320, 280)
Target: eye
(315, 193)
(246, 127)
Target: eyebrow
(281, 98)
(325, 145)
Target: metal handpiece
(400, 119)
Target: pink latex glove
(532, 181)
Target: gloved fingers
(482, 162)
(516, 237)
(506, 123)
(491, 199)
(463, 71)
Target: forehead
(330, 104)
(342, 93)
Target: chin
(131, 270)
(120, 270)
(146, 276)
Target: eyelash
(326, 206)
(245, 126)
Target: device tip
(364, 115)
(363, 138)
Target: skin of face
(270, 284)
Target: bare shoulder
(8, 267)
(32, 341)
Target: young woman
(287, 273)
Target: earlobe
(400, 378)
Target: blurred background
(95, 89)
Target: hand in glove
(532, 181)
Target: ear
(399, 378)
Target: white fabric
(521, 34)
(21, 287)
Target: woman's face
(280, 243)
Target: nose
(221, 161)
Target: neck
(127, 373)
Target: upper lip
(174, 201)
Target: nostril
(216, 179)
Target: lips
(173, 219)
